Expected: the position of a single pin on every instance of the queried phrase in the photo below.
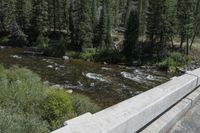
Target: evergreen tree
(185, 15)
(158, 25)
(131, 36)
(104, 34)
(142, 9)
(7, 14)
(196, 22)
(39, 24)
(83, 31)
(23, 13)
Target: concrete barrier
(133, 114)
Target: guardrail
(135, 113)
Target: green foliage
(72, 54)
(173, 61)
(83, 104)
(4, 40)
(21, 93)
(55, 48)
(131, 36)
(57, 108)
(88, 53)
(12, 122)
(22, 89)
(42, 41)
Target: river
(106, 85)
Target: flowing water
(104, 84)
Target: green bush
(12, 122)
(4, 40)
(179, 58)
(57, 108)
(21, 88)
(83, 104)
(174, 60)
(88, 53)
(72, 54)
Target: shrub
(72, 54)
(167, 65)
(174, 60)
(83, 104)
(21, 88)
(109, 56)
(42, 41)
(57, 108)
(11, 122)
(4, 40)
(88, 53)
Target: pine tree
(142, 9)
(104, 35)
(7, 14)
(83, 31)
(158, 24)
(185, 15)
(39, 22)
(131, 36)
(23, 13)
(196, 22)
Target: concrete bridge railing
(138, 112)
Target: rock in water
(50, 66)
(131, 77)
(15, 56)
(150, 77)
(96, 77)
(65, 57)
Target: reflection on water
(104, 84)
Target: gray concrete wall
(131, 115)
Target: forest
(105, 30)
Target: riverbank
(105, 84)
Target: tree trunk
(187, 47)
(182, 40)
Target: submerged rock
(106, 68)
(50, 66)
(150, 77)
(131, 77)
(2, 47)
(96, 77)
(16, 56)
(70, 91)
(56, 86)
(65, 57)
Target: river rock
(70, 91)
(65, 57)
(92, 85)
(2, 47)
(95, 76)
(57, 86)
(16, 56)
(106, 68)
(150, 77)
(50, 66)
(131, 76)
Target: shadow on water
(104, 84)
